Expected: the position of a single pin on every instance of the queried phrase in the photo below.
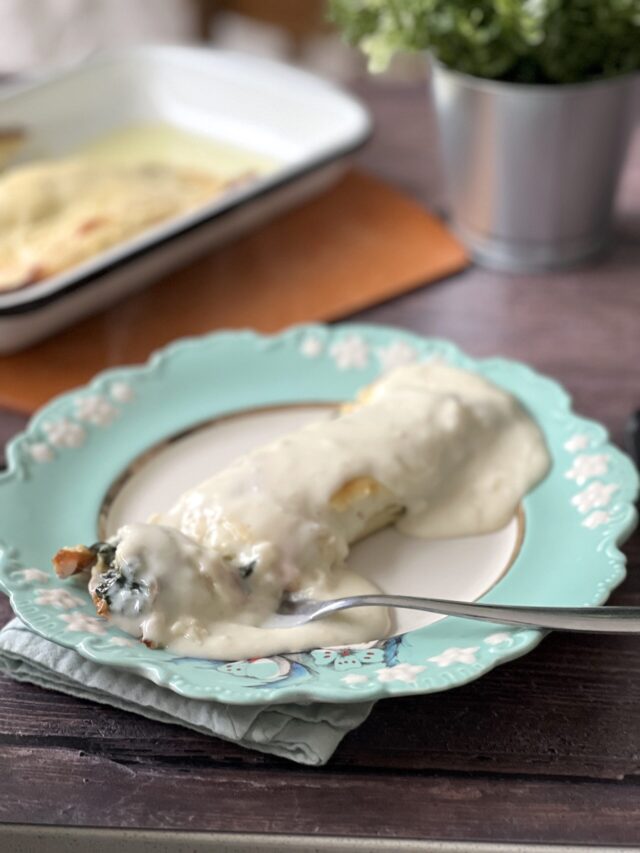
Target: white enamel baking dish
(304, 123)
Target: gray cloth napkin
(308, 734)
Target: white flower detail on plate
(33, 575)
(397, 354)
(350, 353)
(586, 467)
(597, 518)
(455, 655)
(122, 392)
(64, 433)
(354, 678)
(80, 622)
(596, 495)
(497, 639)
(58, 598)
(95, 410)
(120, 641)
(577, 442)
(40, 452)
(311, 347)
(406, 672)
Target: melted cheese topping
(53, 215)
(439, 450)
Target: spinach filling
(247, 569)
(118, 586)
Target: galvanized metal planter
(532, 170)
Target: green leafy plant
(526, 41)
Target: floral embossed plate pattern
(76, 448)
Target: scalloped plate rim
(526, 639)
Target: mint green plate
(76, 447)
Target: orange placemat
(359, 243)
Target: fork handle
(595, 620)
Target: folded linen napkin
(308, 734)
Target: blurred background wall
(38, 34)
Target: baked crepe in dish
(56, 214)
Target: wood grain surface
(546, 748)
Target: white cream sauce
(440, 450)
(136, 145)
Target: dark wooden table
(543, 749)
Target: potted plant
(534, 103)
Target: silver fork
(606, 620)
